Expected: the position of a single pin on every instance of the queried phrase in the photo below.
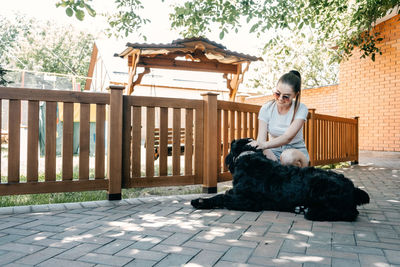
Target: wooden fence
(209, 127)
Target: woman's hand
(258, 145)
(253, 143)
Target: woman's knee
(293, 157)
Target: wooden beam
(93, 60)
(186, 65)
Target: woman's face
(284, 94)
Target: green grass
(339, 165)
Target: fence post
(114, 158)
(210, 169)
(356, 144)
(312, 136)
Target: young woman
(283, 119)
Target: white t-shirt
(278, 124)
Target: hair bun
(295, 72)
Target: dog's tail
(360, 196)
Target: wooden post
(114, 159)
(210, 143)
(312, 136)
(356, 144)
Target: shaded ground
(166, 231)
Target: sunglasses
(284, 97)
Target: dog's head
(238, 147)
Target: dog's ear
(229, 161)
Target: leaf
(90, 10)
(69, 12)
(221, 35)
(79, 14)
(254, 27)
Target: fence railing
(14, 183)
(133, 122)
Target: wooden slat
(84, 136)
(256, 126)
(198, 146)
(226, 138)
(176, 142)
(54, 95)
(150, 141)
(99, 166)
(33, 141)
(251, 126)
(238, 125)
(186, 65)
(219, 154)
(126, 144)
(52, 187)
(166, 102)
(236, 106)
(245, 133)
(188, 142)
(50, 147)
(231, 126)
(136, 140)
(14, 121)
(68, 139)
(163, 148)
(225, 176)
(174, 180)
(333, 118)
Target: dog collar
(243, 154)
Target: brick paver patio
(166, 231)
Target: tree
(10, 33)
(47, 47)
(345, 24)
(314, 62)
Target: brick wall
(367, 89)
(323, 99)
(371, 90)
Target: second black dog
(263, 184)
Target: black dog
(263, 184)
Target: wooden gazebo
(193, 54)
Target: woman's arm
(284, 139)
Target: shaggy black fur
(263, 184)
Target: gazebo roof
(212, 50)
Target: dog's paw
(200, 203)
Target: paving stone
(173, 260)
(176, 239)
(301, 258)
(176, 249)
(373, 261)
(206, 246)
(345, 239)
(206, 258)
(64, 263)
(35, 237)
(10, 257)
(294, 246)
(105, 259)
(141, 263)
(237, 254)
(345, 263)
(358, 249)
(78, 251)
(392, 256)
(22, 248)
(235, 242)
(9, 238)
(141, 254)
(229, 264)
(146, 242)
(40, 256)
(114, 247)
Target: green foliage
(3, 81)
(46, 47)
(301, 53)
(344, 24)
(77, 7)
